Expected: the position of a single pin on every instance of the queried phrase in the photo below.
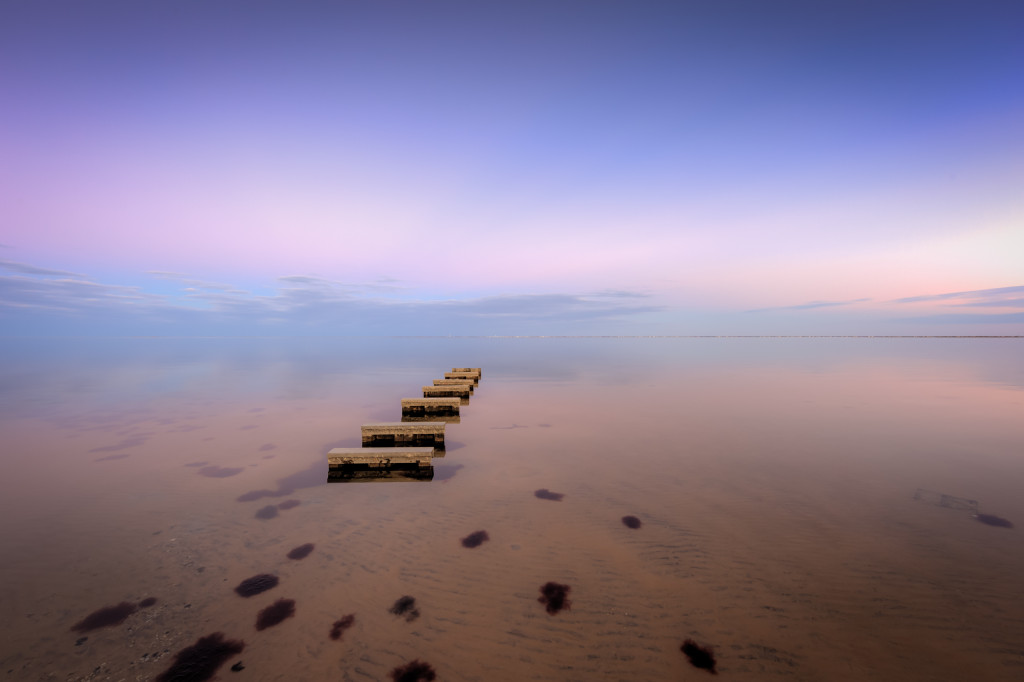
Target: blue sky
(590, 167)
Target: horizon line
(548, 336)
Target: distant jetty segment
(456, 382)
(404, 435)
(421, 407)
(472, 376)
(468, 370)
(456, 391)
(376, 457)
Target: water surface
(803, 508)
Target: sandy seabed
(782, 534)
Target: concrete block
(379, 457)
(404, 434)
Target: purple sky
(585, 167)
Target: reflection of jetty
(408, 434)
(389, 475)
(473, 376)
(403, 451)
(457, 391)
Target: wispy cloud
(618, 293)
(543, 307)
(71, 295)
(1003, 303)
(25, 269)
(300, 301)
(997, 298)
(993, 295)
(812, 305)
(193, 284)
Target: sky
(604, 167)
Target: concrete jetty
(458, 391)
(379, 457)
(473, 376)
(426, 406)
(456, 382)
(404, 435)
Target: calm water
(789, 491)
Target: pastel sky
(201, 167)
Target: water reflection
(393, 474)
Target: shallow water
(789, 494)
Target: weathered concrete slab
(468, 370)
(404, 434)
(427, 406)
(457, 391)
(456, 382)
(379, 457)
(463, 375)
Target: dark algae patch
(546, 494)
(200, 661)
(108, 616)
(275, 613)
(288, 504)
(147, 602)
(301, 552)
(475, 539)
(414, 671)
(268, 512)
(405, 606)
(992, 520)
(631, 522)
(257, 584)
(555, 597)
(700, 657)
(219, 472)
(342, 624)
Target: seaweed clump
(105, 617)
(200, 661)
(257, 584)
(275, 613)
(700, 657)
(992, 520)
(631, 522)
(546, 494)
(301, 552)
(414, 671)
(405, 606)
(268, 512)
(555, 597)
(342, 624)
(219, 472)
(475, 539)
